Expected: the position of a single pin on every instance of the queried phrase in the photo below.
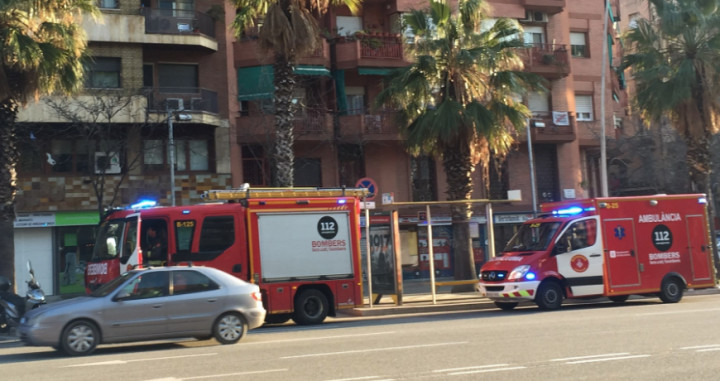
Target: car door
(581, 261)
(137, 310)
(195, 302)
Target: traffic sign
(371, 186)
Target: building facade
(162, 64)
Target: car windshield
(113, 285)
(533, 236)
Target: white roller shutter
(584, 107)
(538, 103)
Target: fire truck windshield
(533, 236)
(116, 239)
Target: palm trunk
(283, 154)
(459, 167)
(8, 187)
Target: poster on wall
(382, 260)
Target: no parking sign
(370, 184)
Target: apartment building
(340, 139)
(154, 64)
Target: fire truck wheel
(549, 296)
(229, 328)
(311, 307)
(506, 306)
(619, 298)
(79, 338)
(671, 290)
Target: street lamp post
(171, 149)
(533, 191)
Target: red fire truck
(613, 247)
(300, 245)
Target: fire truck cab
(613, 247)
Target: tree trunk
(8, 187)
(283, 153)
(459, 167)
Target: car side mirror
(122, 295)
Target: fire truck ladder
(245, 192)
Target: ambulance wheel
(229, 328)
(506, 306)
(549, 296)
(311, 307)
(79, 338)
(671, 290)
(619, 298)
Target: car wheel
(671, 290)
(549, 296)
(277, 318)
(619, 298)
(79, 338)
(311, 307)
(506, 306)
(230, 328)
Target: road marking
(321, 338)
(590, 357)
(234, 374)
(361, 378)
(486, 370)
(607, 359)
(122, 362)
(372, 350)
(678, 312)
(470, 367)
(701, 346)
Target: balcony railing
(550, 132)
(175, 21)
(388, 46)
(547, 59)
(310, 126)
(160, 99)
(369, 126)
(379, 50)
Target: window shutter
(538, 103)
(583, 107)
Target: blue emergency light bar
(571, 211)
(342, 201)
(143, 204)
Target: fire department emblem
(579, 263)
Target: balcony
(372, 50)
(550, 133)
(313, 126)
(548, 60)
(153, 26)
(248, 53)
(367, 127)
(201, 103)
(548, 6)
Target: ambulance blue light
(530, 276)
(142, 204)
(571, 211)
(185, 211)
(702, 200)
(342, 201)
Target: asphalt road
(639, 340)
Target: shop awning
(374, 71)
(255, 82)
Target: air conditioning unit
(175, 104)
(535, 16)
(196, 104)
(108, 164)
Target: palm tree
(41, 46)
(289, 30)
(459, 100)
(675, 62)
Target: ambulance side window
(579, 235)
(184, 230)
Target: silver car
(148, 304)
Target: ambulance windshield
(116, 239)
(533, 237)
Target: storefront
(58, 244)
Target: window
(539, 103)
(217, 234)
(355, 96)
(148, 76)
(422, 172)
(147, 285)
(178, 7)
(634, 17)
(178, 78)
(348, 25)
(188, 281)
(77, 156)
(307, 172)
(191, 154)
(584, 108)
(254, 167)
(102, 73)
(580, 234)
(534, 36)
(578, 44)
(184, 230)
(108, 4)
